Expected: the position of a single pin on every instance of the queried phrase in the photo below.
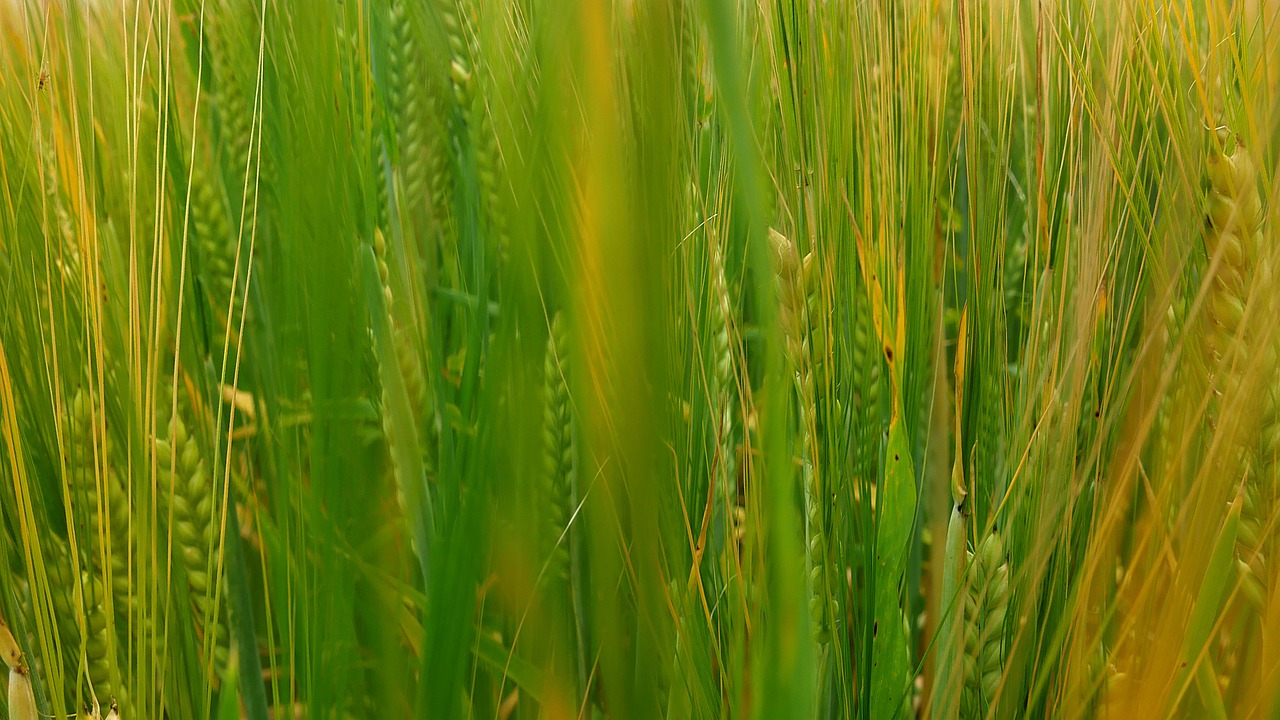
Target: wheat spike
(412, 110)
(1255, 544)
(83, 622)
(559, 460)
(109, 515)
(410, 370)
(405, 336)
(793, 318)
(196, 519)
(466, 75)
(985, 609)
(724, 376)
(866, 359)
(212, 231)
(1231, 351)
(234, 115)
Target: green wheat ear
(234, 114)
(985, 610)
(90, 638)
(559, 460)
(794, 320)
(725, 379)
(866, 379)
(406, 348)
(92, 467)
(415, 113)
(466, 74)
(211, 230)
(185, 481)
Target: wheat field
(639, 359)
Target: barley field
(624, 359)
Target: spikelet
(559, 459)
(986, 605)
(195, 499)
(793, 319)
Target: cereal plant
(623, 359)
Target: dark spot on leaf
(875, 629)
(888, 353)
(895, 457)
